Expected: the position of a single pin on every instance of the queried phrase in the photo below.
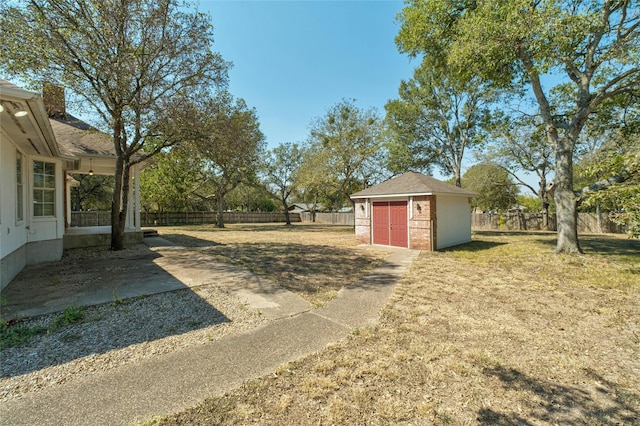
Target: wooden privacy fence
(332, 218)
(90, 219)
(587, 222)
(182, 218)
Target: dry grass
(312, 260)
(498, 332)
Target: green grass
(15, 334)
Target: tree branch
(600, 185)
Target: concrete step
(148, 233)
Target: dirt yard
(314, 261)
(500, 331)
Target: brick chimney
(53, 97)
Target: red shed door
(398, 223)
(390, 223)
(381, 223)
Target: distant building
(305, 207)
(40, 144)
(414, 211)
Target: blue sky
(295, 59)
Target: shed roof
(411, 183)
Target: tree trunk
(565, 199)
(118, 214)
(543, 196)
(78, 199)
(286, 211)
(545, 215)
(219, 215)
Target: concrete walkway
(173, 382)
(39, 290)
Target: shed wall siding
(454, 221)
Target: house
(93, 153)
(414, 211)
(39, 146)
(304, 207)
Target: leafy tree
(170, 182)
(344, 150)
(530, 203)
(280, 169)
(619, 153)
(93, 192)
(251, 197)
(513, 44)
(435, 121)
(219, 152)
(311, 177)
(229, 142)
(494, 188)
(521, 145)
(131, 61)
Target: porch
(97, 236)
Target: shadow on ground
(604, 244)
(474, 246)
(553, 403)
(480, 232)
(125, 296)
(304, 269)
(315, 272)
(607, 244)
(117, 327)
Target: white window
(44, 189)
(19, 188)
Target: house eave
(37, 118)
(408, 194)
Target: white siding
(454, 220)
(33, 239)
(12, 233)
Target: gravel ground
(119, 333)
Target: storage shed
(415, 211)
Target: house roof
(79, 139)
(84, 148)
(411, 183)
(305, 206)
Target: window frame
(44, 189)
(20, 194)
